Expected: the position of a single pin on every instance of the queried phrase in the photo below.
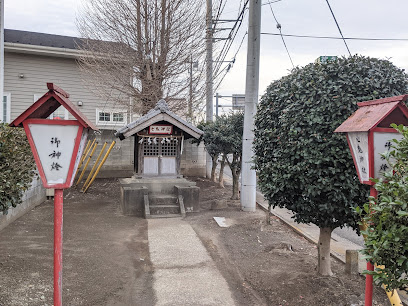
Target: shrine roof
(371, 113)
(161, 112)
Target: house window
(60, 113)
(118, 117)
(110, 117)
(104, 117)
(5, 108)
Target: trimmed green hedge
(16, 166)
(302, 165)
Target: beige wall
(65, 73)
(37, 71)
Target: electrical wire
(279, 27)
(227, 45)
(338, 27)
(334, 37)
(240, 45)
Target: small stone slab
(221, 221)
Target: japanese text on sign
(382, 144)
(55, 154)
(160, 129)
(359, 144)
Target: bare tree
(143, 48)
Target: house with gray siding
(33, 59)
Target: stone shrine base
(158, 197)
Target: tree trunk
(235, 187)
(214, 166)
(323, 248)
(221, 176)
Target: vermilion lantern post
(57, 146)
(369, 134)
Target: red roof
(48, 103)
(371, 113)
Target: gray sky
(357, 18)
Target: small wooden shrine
(159, 138)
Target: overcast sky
(357, 18)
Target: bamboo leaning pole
(88, 146)
(100, 165)
(87, 163)
(94, 166)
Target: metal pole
(58, 220)
(370, 267)
(216, 105)
(190, 102)
(209, 75)
(248, 177)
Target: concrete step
(162, 199)
(165, 216)
(164, 209)
(156, 184)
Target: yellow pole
(87, 162)
(100, 165)
(88, 146)
(94, 166)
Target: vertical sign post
(369, 134)
(57, 146)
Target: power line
(338, 27)
(228, 67)
(231, 36)
(279, 27)
(334, 37)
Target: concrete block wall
(192, 161)
(120, 162)
(31, 198)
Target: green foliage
(387, 220)
(16, 166)
(302, 165)
(224, 136)
(210, 138)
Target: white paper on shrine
(382, 144)
(55, 145)
(359, 145)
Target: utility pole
(248, 176)
(209, 75)
(216, 104)
(190, 101)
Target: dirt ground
(106, 256)
(271, 264)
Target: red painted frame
(68, 180)
(171, 132)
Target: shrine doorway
(159, 156)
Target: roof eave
(42, 50)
